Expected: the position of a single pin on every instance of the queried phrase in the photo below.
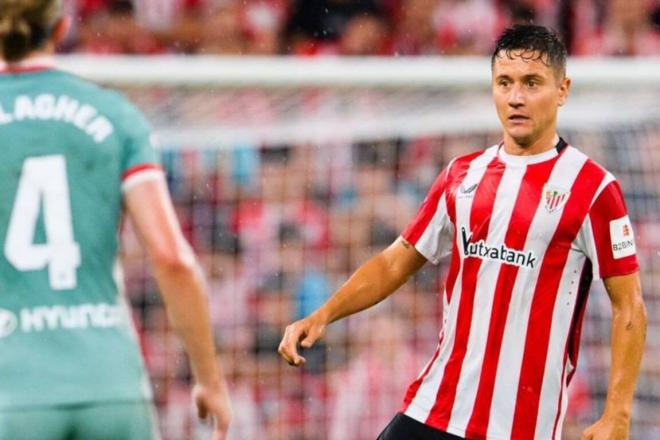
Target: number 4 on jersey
(43, 181)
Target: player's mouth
(517, 118)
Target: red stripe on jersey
(573, 341)
(461, 170)
(416, 228)
(482, 207)
(525, 207)
(452, 274)
(455, 263)
(139, 168)
(543, 302)
(455, 174)
(414, 387)
(573, 347)
(610, 205)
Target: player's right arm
(183, 290)
(427, 238)
(374, 281)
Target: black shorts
(403, 427)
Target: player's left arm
(627, 345)
(609, 242)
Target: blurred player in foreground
(528, 222)
(73, 157)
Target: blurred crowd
(354, 27)
(278, 229)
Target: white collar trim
(515, 159)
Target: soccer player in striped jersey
(528, 224)
(74, 157)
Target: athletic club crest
(554, 197)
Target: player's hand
(608, 428)
(306, 332)
(214, 402)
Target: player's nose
(516, 97)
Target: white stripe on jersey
(585, 240)
(421, 405)
(609, 178)
(435, 242)
(562, 317)
(484, 295)
(564, 406)
(541, 231)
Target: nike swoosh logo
(469, 189)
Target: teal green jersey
(68, 147)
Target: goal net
(288, 173)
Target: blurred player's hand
(213, 401)
(306, 332)
(608, 428)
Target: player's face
(527, 94)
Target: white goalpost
(292, 100)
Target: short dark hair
(25, 26)
(538, 41)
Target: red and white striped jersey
(526, 234)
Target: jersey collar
(33, 64)
(514, 159)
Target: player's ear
(60, 30)
(564, 87)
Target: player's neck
(37, 59)
(544, 143)
(47, 52)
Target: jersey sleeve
(431, 231)
(140, 157)
(607, 236)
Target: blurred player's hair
(26, 25)
(533, 43)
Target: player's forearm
(628, 336)
(374, 281)
(183, 291)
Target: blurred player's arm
(374, 281)
(184, 293)
(628, 335)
